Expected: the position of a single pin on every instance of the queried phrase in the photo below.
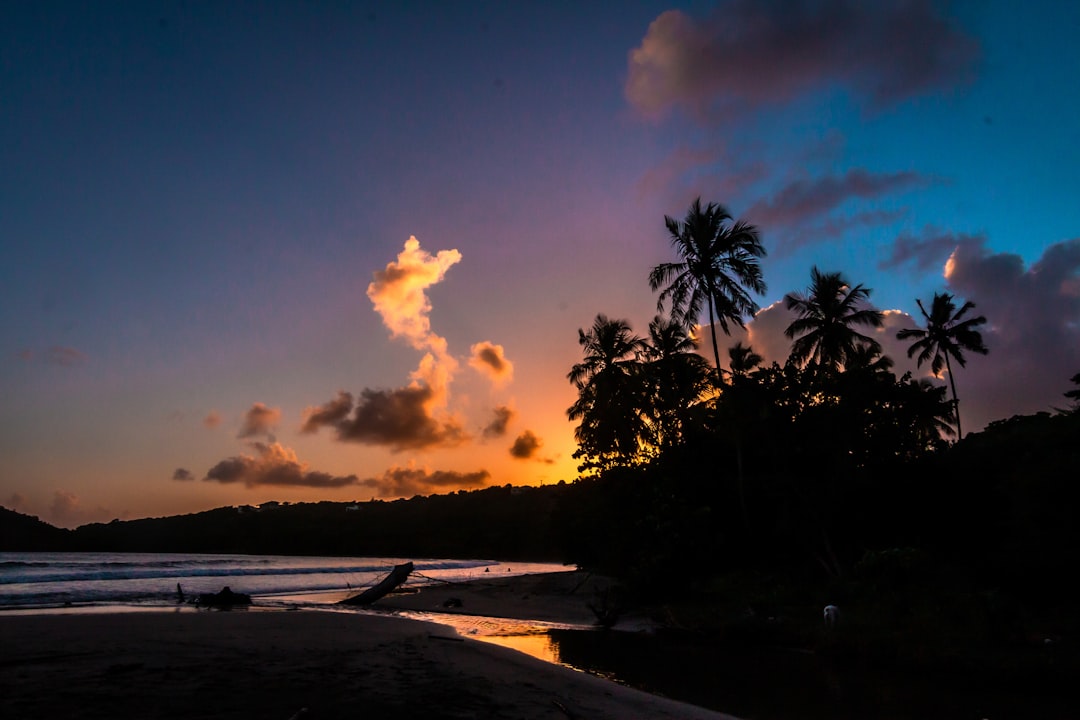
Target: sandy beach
(308, 664)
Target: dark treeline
(997, 510)
(499, 523)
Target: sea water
(41, 580)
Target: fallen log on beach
(397, 576)
(224, 599)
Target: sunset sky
(301, 251)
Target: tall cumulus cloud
(412, 417)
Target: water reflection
(539, 645)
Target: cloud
(182, 474)
(765, 334)
(1032, 330)
(64, 356)
(259, 420)
(66, 510)
(56, 355)
(400, 419)
(273, 464)
(497, 426)
(398, 293)
(930, 250)
(330, 413)
(526, 445)
(409, 481)
(17, 502)
(752, 54)
(212, 419)
(413, 417)
(490, 360)
(793, 210)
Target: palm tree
(1074, 394)
(947, 335)
(870, 359)
(610, 397)
(827, 314)
(677, 375)
(719, 264)
(743, 359)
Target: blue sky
(196, 197)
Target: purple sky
(209, 295)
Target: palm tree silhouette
(743, 359)
(828, 313)
(947, 334)
(720, 263)
(677, 375)
(1074, 394)
(610, 393)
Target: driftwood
(224, 599)
(397, 576)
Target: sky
(303, 251)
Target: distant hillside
(26, 533)
(501, 522)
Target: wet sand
(561, 597)
(308, 664)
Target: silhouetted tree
(611, 399)
(739, 401)
(720, 263)
(676, 375)
(1074, 395)
(947, 335)
(824, 331)
(743, 359)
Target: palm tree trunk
(715, 347)
(955, 400)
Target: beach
(309, 663)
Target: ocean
(39, 581)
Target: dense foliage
(828, 465)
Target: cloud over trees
(1033, 328)
(400, 419)
(410, 480)
(67, 510)
(272, 464)
(748, 62)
